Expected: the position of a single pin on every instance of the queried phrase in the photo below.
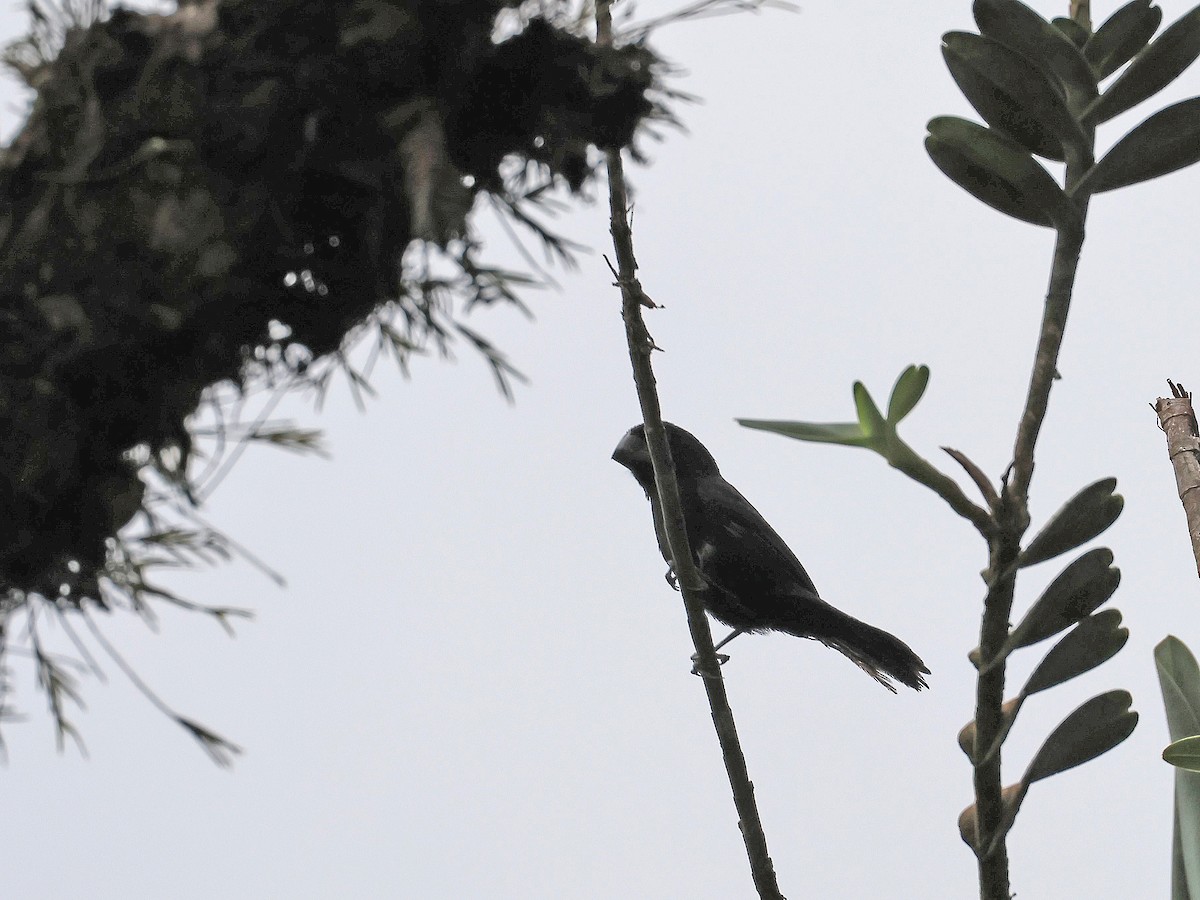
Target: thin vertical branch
(1045, 369)
(1012, 519)
(633, 299)
(990, 848)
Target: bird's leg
(722, 658)
(725, 641)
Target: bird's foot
(722, 658)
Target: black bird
(755, 583)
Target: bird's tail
(881, 655)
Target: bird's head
(691, 458)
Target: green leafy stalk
(1037, 86)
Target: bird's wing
(737, 550)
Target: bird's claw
(722, 658)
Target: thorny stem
(633, 298)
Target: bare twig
(1177, 419)
(977, 475)
(220, 750)
(689, 580)
(701, 9)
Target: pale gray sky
(476, 684)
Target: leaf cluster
(1040, 89)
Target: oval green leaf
(1021, 29)
(870, 419)
(1079, 590)
(1093, 641)
(1167, 141)
(1094, 728)
(1075, 33)
(1080, 519)
(1184, 754)
(909, 389)
(1122, 36)
(1012, 94)
(997, 170)
(1151, 70)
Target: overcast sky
(476, 683)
